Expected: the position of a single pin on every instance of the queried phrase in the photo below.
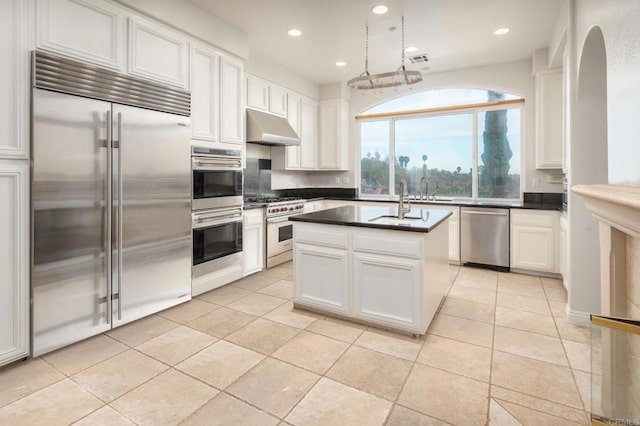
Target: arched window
(465, 143)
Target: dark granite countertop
(469, 203)
(418, 220)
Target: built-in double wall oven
(216, 209)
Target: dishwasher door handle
(485, 213)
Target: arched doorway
(588, 165)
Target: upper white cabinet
(89, 30)
(534, 240)
(205, 93)
(14, 261)
(232, 105)
(302, 114)
(157, 53)
(257, 92)
(277, 100)
(14, 81)
(549, 116)
(266, 96)
(288, 157)
(334, 135)
(308, 134)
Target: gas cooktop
(272, 200)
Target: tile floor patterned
(500, 352)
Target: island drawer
(388, 243)
(329, 236)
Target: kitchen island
(365, 264)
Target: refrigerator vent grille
(52, 72)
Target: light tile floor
(499, 352)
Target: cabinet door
(157, 53)
(253, 251)
(204, 94)
(376, 278)
(231, 104)
(14, 261)
(333, 135)
(14, 81)
(308, 134)
(454, 241)
(322, 275)
(253, 241)
(549, 116)
(292, 153)
(257, 93)
(277, 100)
(89, 30)
(532, 248)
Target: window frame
(446, 111)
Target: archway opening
(588, 165)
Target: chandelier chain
(401, 76)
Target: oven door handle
(205, 223)
(218, 164)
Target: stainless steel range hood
(268, 129)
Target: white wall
(619, 22)
(195, 21)
(514, 77)
(620, 25)
(281, 76)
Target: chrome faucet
(424, 192)
(403, 193)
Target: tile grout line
(493, 343)
(573, 376)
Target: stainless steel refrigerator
(111, 200)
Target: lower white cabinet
(253, 241)
(14, 260)
(534, 240)
(326, 277)
(391, 278)
(378, 277)
(564, 249)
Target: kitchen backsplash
(257, 177)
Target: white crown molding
(616, 205)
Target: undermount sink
(395, 220)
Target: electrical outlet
(535, 182)
(338, 179)
(345, 179)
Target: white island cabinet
(384, 273)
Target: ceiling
(454, 33)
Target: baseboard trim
(578, 317)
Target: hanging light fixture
(367, 81)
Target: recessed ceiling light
(411, 49)
(340, 64)
(380, 9)
(294, 32)
(501, 31)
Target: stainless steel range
(279, 229)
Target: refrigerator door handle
(120, 209)
(109, 221)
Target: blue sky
(446, 139)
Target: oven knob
(290, 208)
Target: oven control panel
(287, 209)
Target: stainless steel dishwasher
(484, 236)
